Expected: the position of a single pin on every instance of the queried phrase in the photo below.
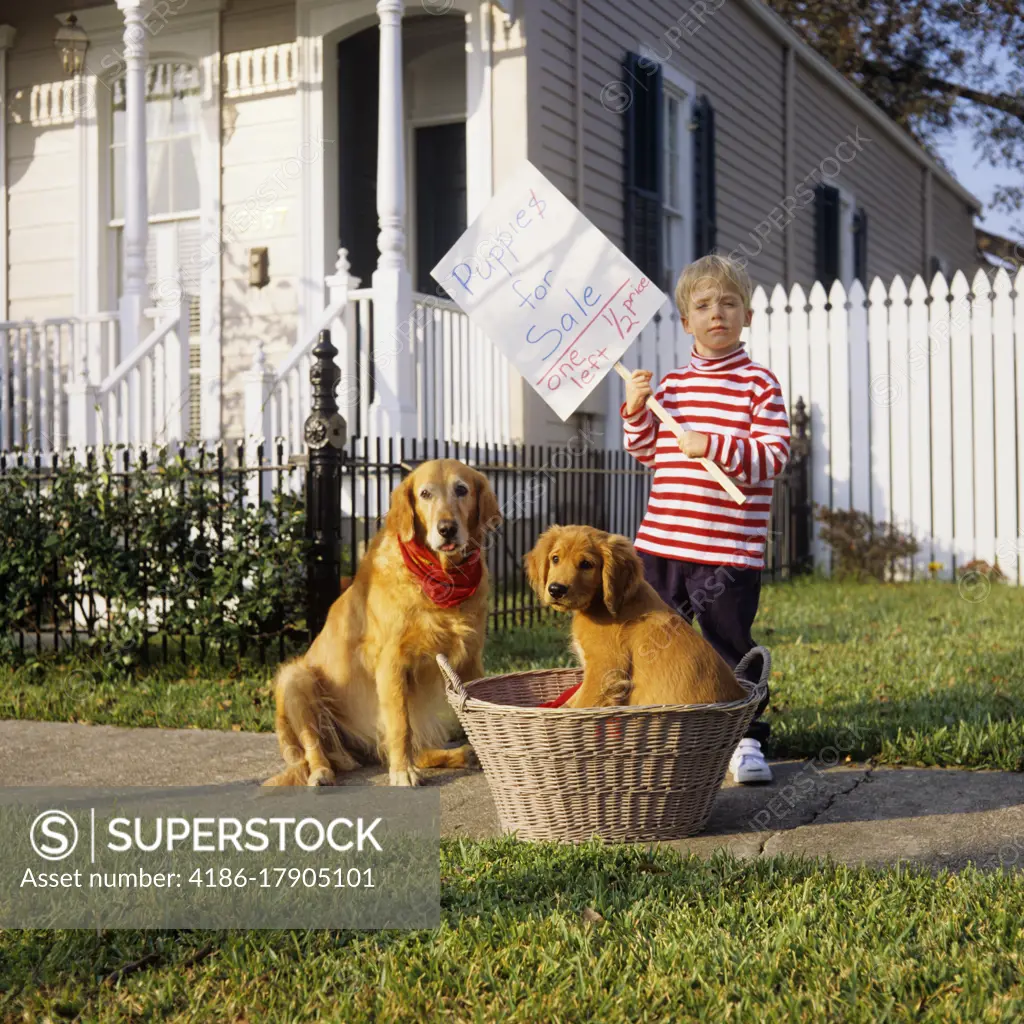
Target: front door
(440, 196)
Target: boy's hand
(693, 444)
(638, 390)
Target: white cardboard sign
(549, 289)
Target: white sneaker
(748, 763)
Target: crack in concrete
(837, 794)
(761, 846)
(816, 814)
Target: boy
(701, 551)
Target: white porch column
(393, 412)
(136, 212)
(7, 34)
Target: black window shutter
(827, 230)
(643, 177)
(860, 246)
(705, 226)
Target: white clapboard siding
(899, 404)
(918, 359)
(939, 334)
(839, 374)
(820, 409)
(963, 418)
(878, 402)
(984, 434)
(1005, 424)
(860, 407)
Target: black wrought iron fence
(198, 551)
(575, 482)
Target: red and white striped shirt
(738, 403)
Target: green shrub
(152, 547)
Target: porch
(180, 328)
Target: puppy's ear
(622, 573)
(536, 561)
(402, 513)
(486, 515)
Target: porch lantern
(72, 42)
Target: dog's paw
(405, 776)
(465, 757)
(321, 777)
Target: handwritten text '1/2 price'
(623, 319)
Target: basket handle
(748, 659)
(452, 682)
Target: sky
(980, 178)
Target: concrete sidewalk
(854, 813)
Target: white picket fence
(916, 400)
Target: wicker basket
(625, 774)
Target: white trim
(191, 35)
(789, 160)
(479, 109)
(107, 21)
(685, 89)
(815, 62)
(7, 37)
(927, 242)
(261, 71)
(581, 156)
(92, 271)
(847, 212)
(333, 20)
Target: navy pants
(722, 598)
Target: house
(193, 189)
(996, 251)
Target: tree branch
(1013, 105)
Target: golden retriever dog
(634, 648)
(369, 684)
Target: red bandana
(445, 589)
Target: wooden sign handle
(712, 467)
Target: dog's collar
(446, 588)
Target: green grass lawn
(908, 674)
(546, 934)
(904, 674)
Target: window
(173, 193)
(172, 169)
(172, 140)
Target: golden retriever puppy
(369, 684)
(634, 649)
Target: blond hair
(723, 271)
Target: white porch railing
(38, 361)
(462, 380)
(462, 383)
(145, 399)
